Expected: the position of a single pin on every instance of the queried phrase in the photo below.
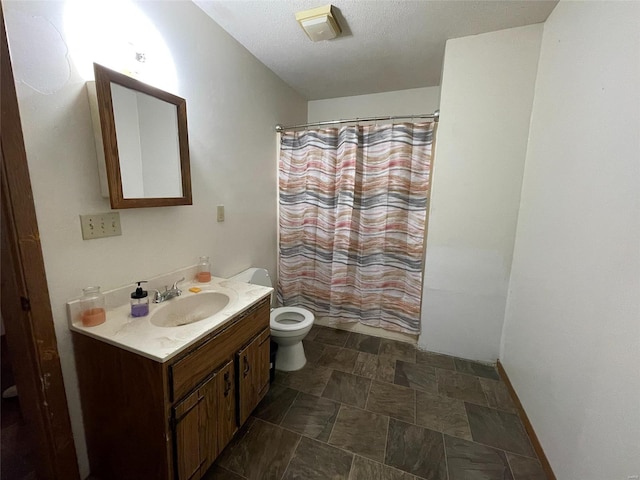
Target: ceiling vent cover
(319, 23)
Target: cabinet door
(205, 421)
(208, 417)
(195, 434)
(253, 374)
(226, 420)
(247, 394)
(263, 364)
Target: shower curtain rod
(435, 116)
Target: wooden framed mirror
(145, 142)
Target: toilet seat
(292, 324)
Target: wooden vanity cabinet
(149, 420)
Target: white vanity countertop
(139, 335)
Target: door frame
(26, 306)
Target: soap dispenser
(139, 302)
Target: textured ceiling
(385, 44)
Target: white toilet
(289, 325)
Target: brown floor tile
(313, 332)
(524, 468)
(312, 379)
(312, 416)
(216, 472)
(346, 388)
(280, 376)
(476, 368)
(318, 461)
(332, 336)
(435, 360)
(361, 432)
(497, 395)
(365, 469)
(393, 401)
(338, 358)
(443, 414)
(263, 452)
(366, 365)
(416, 450)
(375, 366)
(397, 350)
(363, 343)
(467, 460)
(498, 429)
(460, 386)
(275, 404)
(312, 350)
(420, 377)
(423, 392)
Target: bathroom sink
(189, 309)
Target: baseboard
(527, 424)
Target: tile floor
(366, 408)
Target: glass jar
(92, 307)
(204, 270)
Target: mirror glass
(144, 134)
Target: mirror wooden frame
(104, 78)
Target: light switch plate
(220, 213)
(98, 225)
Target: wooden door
(26, 306)
(226, 419)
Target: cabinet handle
(246, 366)
(227, 384)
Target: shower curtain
(352, 222)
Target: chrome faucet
(168, 293)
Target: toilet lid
(286, 319)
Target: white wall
(233, 104)
(572, 329)
(485, 106)
(399, 102)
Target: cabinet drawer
(192, 368)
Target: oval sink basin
(181, 311)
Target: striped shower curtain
(352, 222)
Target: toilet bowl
(288, 325)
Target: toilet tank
(255, 276)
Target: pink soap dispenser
(139, 302)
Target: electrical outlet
(220, 213)
(100, 225)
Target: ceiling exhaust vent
(319, 23)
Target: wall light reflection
(116, 34)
